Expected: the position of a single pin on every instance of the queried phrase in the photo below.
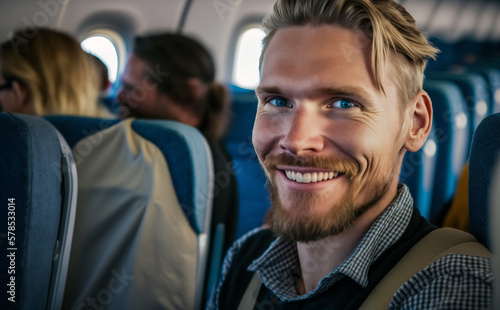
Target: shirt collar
(279, 267)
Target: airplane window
(246, 60)
(103, 48)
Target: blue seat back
(468, 50)
(452, 135)
(492, 77)
(38, 178)
(252, 190)
(474, 89)
(446, 55)
(483, 156)
(494, 228)
(144, 210)
(418, 171)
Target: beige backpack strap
(433, 246)
(250, 296)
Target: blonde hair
(59, 74)
(390, 27)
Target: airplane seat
(489, 48)
(252, 190)
(492, 62)
(494, 231)
(468, 50)
(38, 180)
(417, 172)
(445, 58)
(474, 89)
(452, 137)
(473, 85)
(484, 153)
(492, 77)
(144, 208)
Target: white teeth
(311, 177)
(314, 177)
(298, 177)
(306, 178)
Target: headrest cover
(484, 153)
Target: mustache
(346, 166)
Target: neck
(319, 258)
(190, 118)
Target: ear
(197, 87)
(421, 121)
(22, 95)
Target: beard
(299, 223)
(125, 111)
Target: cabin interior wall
(225, 18)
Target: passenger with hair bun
(172, 77)
(48, 73)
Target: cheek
(139, 95)
(377, 152)
(270, 123)
(121, 97)
(260, 134)
(266, 132)
(145, 104)
(364, 143)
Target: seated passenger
(340, 102)
(170, 76)
(104, 84)
(47, 73)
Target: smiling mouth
(311, 177)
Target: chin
(302, 218)
(298, 218)
(127, 112)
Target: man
(340, 102)
(171, 77)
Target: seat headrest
(176, 141)
(34, 181)
(484, 153)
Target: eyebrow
(350, 91)
(267, 89)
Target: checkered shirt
(453, 282)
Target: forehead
(327, 55)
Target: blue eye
(343, 104)
(280, 102)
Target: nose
(303, 135)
